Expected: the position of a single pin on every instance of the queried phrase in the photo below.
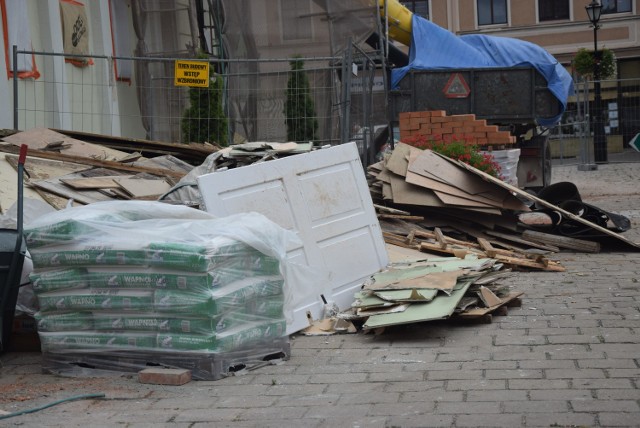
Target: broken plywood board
(141, 187)
(41, 169)
(434, 165)
(441, 307)
(546, 204)
(9, 186)
(478, 312)
(91, 183)
(89, 162)
(57, 187)
(42, 138)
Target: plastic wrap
(154, 278)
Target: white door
(324, 197)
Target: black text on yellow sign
(191, 73)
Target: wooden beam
(562, 241)
(9, 148)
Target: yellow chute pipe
(399, 21)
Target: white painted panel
(323, 196)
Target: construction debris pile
(88, 168)
(434, 206)
(462, 231)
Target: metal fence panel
(572, 139)
(149, 105)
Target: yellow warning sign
(191, 73)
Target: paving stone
(510, 374)
(538, 384)
(497, 395)
(454, 374)
(617, 419)
(266, 413)
(507, 421)
(414, 386)
(483, 384)
(468, 408)
(602, 383)
(402, 409)
(605, 406)
(374, 398)
(561, 394)
(560, 420)
(338, 378)
(428, 420)
(432, 395)
(395, 377)
(536, 406)
(574, 374)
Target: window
(492, 12)
(419, 7)
(551, 10)
(616, 6)
(295, 26)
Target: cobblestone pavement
(570, 356)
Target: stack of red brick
(460, 127)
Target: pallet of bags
(154, 283)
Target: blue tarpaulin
(433, 47)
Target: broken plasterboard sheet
(321, 195)
(407, 296)
(367, 312)
(440, 308)
(367, 300)
(431, 277)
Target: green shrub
(204, 119)
(299, 111)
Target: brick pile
(458, 127)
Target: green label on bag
(44, 281)
(91, 299)
(64, 322)
(87, 256)
(96, 340)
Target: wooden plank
(515, 261)
(93, 162)
(562, 241)
(487, 247)
(43, 139)
(402, 217)
(440, 237)
(390, 210)
(90, 183)
(518, 240)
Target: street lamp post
(599, 139)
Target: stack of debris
(87, 168)
(433, 289)
(455, 209)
